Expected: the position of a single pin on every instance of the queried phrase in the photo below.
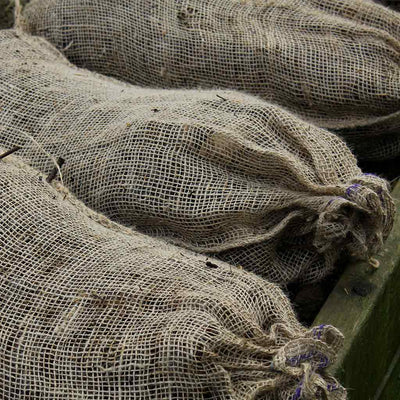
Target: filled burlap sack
(90, 309)
(336, 63)
(219, 172)
(368, 12)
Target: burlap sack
(366, 12)
(218, 172)
(92, 310)
(334, 62)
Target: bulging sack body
(336, 63)
(219, 172)
(90, 309)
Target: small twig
(222, 98)
(68, 46)
(54, 172)
(211, 265)
(373, 262)
(7, 153)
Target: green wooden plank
(390, 386)
(365, 306)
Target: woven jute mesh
(336, 63)
(93, 310)
(219, 172)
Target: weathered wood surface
(365, 306)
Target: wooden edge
(365, 307)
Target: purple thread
(318, 331)
(369, 174)
(295, 361)
(297, 393)
(334, 199)
(324, 362)
(332, 388)
(351, 188)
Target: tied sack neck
(358, 219)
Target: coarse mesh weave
(92, 310)
(218, 172)
(334, 62)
